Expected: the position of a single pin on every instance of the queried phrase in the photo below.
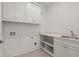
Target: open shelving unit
(47, 44)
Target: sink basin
(65, 36)
(69, 37)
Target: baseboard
(15, 54)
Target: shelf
(47, 43)
(42, 44)
(49, 48)
(47, 51)
(47, 39)
(19, 21)
(50, 40)
(43, 38)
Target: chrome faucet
(72, 33)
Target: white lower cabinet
(73, 52)
(46, 43)
(59, 49)
(63, 50)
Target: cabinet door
(22, 11)
(73, 52)
(59, 50)
(33, 13)
(9, 10)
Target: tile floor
(36, 53)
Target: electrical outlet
(12, 33)
(35, 43)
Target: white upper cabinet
(21, 11)
(33, 13)
(14, 10)
(9, 10)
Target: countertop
(58, 35)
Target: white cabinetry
(73, 52)
(21, 12)
(33, 13)
(46, 43)
(59, 50)
(14, 11)
(9, 10)
(65, 50)
(59, 47)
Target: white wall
(21, 42)
(0, 29)
(63, 17)
(43, 19)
